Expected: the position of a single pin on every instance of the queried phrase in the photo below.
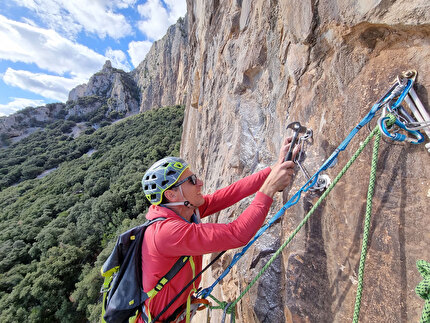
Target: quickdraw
(391, 100)
(323, 180)
(422, 117)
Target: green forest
(56, 231)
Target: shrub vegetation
(56, 232)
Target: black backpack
(123, 295)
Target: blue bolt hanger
(399, 89)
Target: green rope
(308, 215)
(230, 307)
(366, 226)
(221, 305)
(423, 289)
(225, 306)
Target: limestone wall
(254, 67)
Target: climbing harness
(394, 118)
(186, 287)
(423, 289)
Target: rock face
(113, 85)
(163, 74)
(25, 121)
(254, 67)
(246, 69)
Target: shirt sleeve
(233, 193)
(175, 237)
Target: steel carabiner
(382, 122)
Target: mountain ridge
(111, 94)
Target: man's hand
(282, 171)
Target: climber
(175, 194)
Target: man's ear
(170, 195)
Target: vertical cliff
(162, 75)
(159, 80)
(254, 67)
(245, 69)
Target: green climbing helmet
(161, 176)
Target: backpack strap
(179, 264)
(172, 272)
(118, 267)
(166, 278)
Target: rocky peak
(160, 80)
(109, 92)
(107, 66)
(113, 86)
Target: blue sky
(47, 47)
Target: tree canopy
(56, 231)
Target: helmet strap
(182, 203)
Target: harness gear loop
(423, 289)
(196, 304)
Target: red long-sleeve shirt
(165, 241)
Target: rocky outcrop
(115, 86)
(109, 94)
(254, 67)
(163, 75)
(160, 80)
(27, 120)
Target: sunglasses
(192, 179)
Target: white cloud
(155, 22)
(118, 59)
(156, 19)
(73, 63)
(121, 4)
(138, 50)
(48, 86)
(177, 8)
(21, 42)
(18, 104)
(71, 17)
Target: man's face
(192, 193)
